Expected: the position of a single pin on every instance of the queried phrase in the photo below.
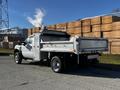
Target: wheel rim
(56, 65)
(16, 58)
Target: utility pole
(4, 17)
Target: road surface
(34, 76)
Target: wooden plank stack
(104, 27)
(99, 26)
(74, 28)
(86, 28)
(110, 19)
(29, 32)
(33, 30)
(96, 20)
(61, 27)
(51, 27)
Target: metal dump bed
(75, 45)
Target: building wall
(9, 38)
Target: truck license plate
(93, 56)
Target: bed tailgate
(93, 44)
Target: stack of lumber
(86, 28)
(91, 27)
(99, 26)
(86, 25)
(115, 44)
(96, 28)
(109, 27)
(33, 30)
(110, 19)
(61, 27)
(74, 28)
(36, 30)
(29, 32)
(96, 20)
(51, 27)
(115, 47)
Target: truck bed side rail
(57, 46)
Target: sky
(57, 11)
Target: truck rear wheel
(56, 64)
(18, 58)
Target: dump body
(76, 44)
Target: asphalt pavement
(35, 76)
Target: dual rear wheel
(57, 64)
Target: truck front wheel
(18, 58)
(56, 64)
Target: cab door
(36, 49)
(27, 49)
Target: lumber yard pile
(33, 30)
(99, 26)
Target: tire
(18, 58)
(57, 64)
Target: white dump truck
(59, 48)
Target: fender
(17, 48)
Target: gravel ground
(32, 76)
